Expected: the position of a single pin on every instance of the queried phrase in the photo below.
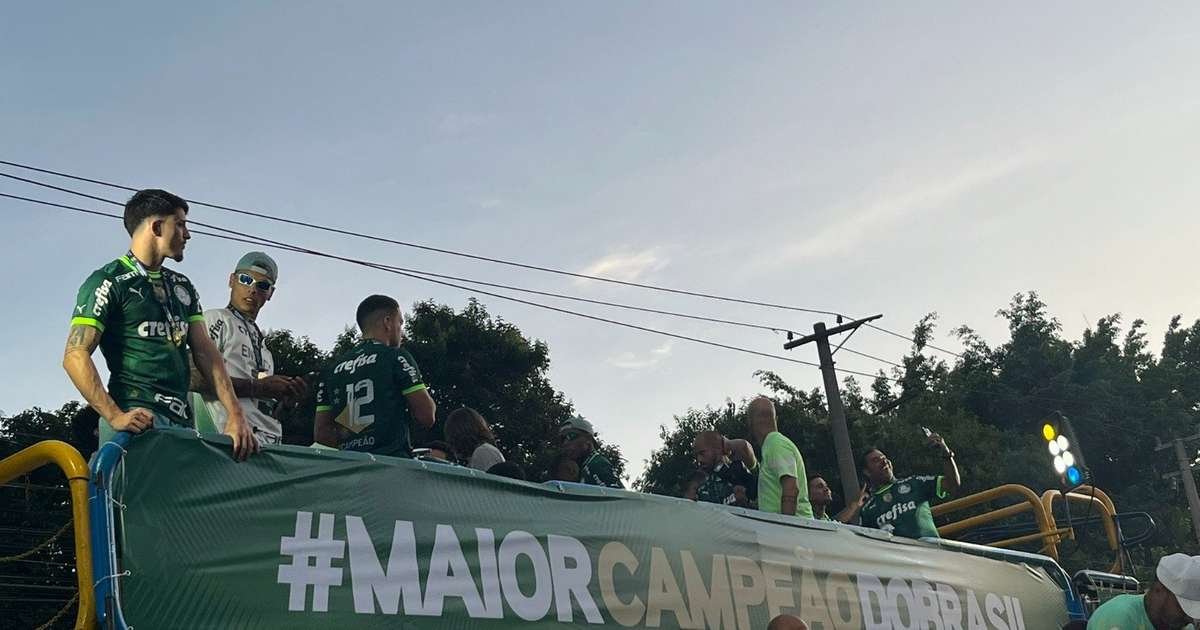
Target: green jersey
(1123, 612)
(720, 484)
(781, 458)
(364, 390)
(143, 318)
(598, 471)
(902, 507)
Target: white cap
(1180, 573)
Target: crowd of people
(173, 364)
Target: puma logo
(137, 291)
(79, 309)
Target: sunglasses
(245, 279)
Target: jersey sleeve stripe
(324, 408)
(199, 317)
(87, 321)
(415, 388)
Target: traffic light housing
(1064, 449)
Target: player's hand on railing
(244, 442)
(135, 420)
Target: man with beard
(146, 319)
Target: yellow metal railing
(1108, 511)
(71, 463)
(1048, 532)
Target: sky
(895, 159)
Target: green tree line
(990, 404)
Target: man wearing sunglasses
(234, 329)
(577, 440)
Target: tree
(990, 404)
(471, 359)
(32, 509)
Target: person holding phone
(902, 506)
(242, 344)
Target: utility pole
(847, 469)
(1185, 471)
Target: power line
(428, 275)
(381, 239)
(253, 239)
(500, 261)
(715, 320)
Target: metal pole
(837, 416)
(1189, 485)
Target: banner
(301, 538)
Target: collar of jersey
(128, 263)
(885, 488)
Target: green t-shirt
(364, 389)
(598, 471)
(143, 319)
(1123, 612)
(902, 507)
(781, 458)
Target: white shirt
(236, 342)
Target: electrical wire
(440, 250)
(253, 239)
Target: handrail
(1047, 531)
(1108, 513)
(104, 544)
(71, 463)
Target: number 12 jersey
(364, 391)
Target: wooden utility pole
(847, 469)
(1189, 481)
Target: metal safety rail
(103, 528)
(1047, 531)
(1092, 497)
(68, 460)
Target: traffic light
(1060, 440)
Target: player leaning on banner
(369, 397)
(144, 318)
(234, 331)
(902, 506)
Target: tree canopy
(989, 404)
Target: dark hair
(507, 469)
(151, 202)
(815, 476)
(372, 305)
(862, 456)
(465, 430)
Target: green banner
(301, 538)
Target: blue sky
(895, 159)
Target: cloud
(457, 123)
(894, 205)
(632, 361)
(627, 266)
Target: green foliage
(32, 508)
(989, 405)
(472, 359)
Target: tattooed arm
(77, 361)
